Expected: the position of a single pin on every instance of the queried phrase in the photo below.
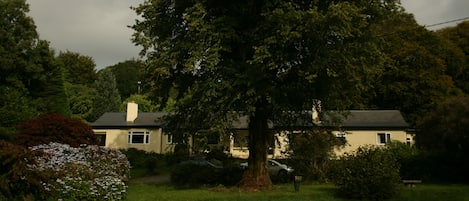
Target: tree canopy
(417, 73)
(32, 81)
(259, 58)
(129, 77)
(106, 96)
(459, 36)
(78, 69)
(442, 133)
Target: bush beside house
(370, 173)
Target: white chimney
(132, 111)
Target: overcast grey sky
(98, 28)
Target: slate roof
(354, 119)
(375, 119)
(118, 120)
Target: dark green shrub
(369, 173)
(231, 174)
(409, 159)
(147, 161)
(192, 175)
(180, 153)
(311, 152)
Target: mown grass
(316, 192)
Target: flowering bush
(82, 173)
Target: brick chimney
(132, 111)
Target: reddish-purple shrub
(54, 127)
(17, 180)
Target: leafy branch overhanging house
(144, 131)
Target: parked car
(278, 171)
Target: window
(384, 138)
(101, 138)
(341, 136)
(169, 139)
(139, 137)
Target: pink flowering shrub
(81, 173)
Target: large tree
(416, 74)
(80, 76)
(31, 80)
(257, 58)
(459, 36)
(442, 133)
(106, 95)
(78, 69)
(129, 77)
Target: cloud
(90, 27)
(430, 12)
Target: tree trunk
(256, 177)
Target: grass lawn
(316, 192)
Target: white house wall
(118, 139)
(355, 139)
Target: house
(144, 131)
(133, 129)
(372, 127)
(357, 128)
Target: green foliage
(129, 73)
(443, 135)
(106, 98)
(78, 69)
(417, 72)
(15, 107)
(370, 173)
(79, 76)
(193, 175)
(144, 103)
(48, 90)
(311, 153)
(147, 161)
(80, 98)
(54, 127)
(254, 56)
(409, 158)
(31, 80)
(18, 37)
(459, 36)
